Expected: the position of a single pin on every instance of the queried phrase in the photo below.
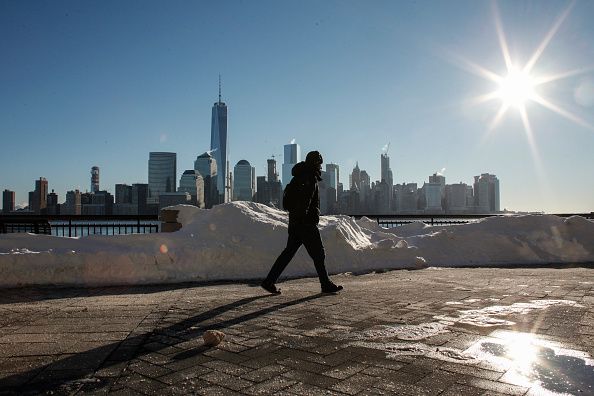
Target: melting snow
(484, 317)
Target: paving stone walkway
(399, 332)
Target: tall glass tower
(291, 158)
(161, 174)
(219, 147)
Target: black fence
(394, 220)
(74, 226)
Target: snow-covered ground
(241, 240)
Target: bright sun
(516, 88)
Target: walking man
(302, 200)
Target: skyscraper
(242, 182)
(206, 165)
(272, 175)
(291, 158)
(38, 198)
(8, 200)
(161, 174)
(219, 147)
(486, 193)
(192, 182)
(94, 179)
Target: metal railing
(79, 225)
(394, 220)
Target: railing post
(70, 228)
(36, 227)
(138, 225)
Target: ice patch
(395, 349)
(485, 317)
(401, 332)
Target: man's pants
(309, 236)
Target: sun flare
(516, 88)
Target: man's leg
(313, 243)
(293, 244)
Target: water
(545, 366)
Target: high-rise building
(140, 194)
(291, 158)
(52, 204)
(355, 178)
(162, 171)
(123, 194)
(334, 175)
(274, 188)
(455, 197)
(486, 193)
(38, 198)
(192, 182)
(73, 203)
(272, 174)
(123, 201)
(406, 197)
(386, 176)
(8, 201)
(94, 179)
(206, 165)
(243, 183)
(219, 147)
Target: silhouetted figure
(302, 200)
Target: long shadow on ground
(53, 376)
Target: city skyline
(342, 78)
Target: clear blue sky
(103, 83)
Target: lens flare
(163, 248)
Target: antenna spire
(219, 88)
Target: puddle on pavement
(486, 317)
(544, 366)
(530, 361)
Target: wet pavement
(426, 332)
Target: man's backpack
(290, 196)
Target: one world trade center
(219, 148)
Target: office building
(486, 193)
(220, 149)
(206, 166)
(94, 179)
(456, 197)
(52, 204)
(38, 198)
(140, 196)
(8, 201)
(73, 204)
(243, 185)
(123, 194)
(292, 156)
(386, 176)
(192, 183)
(162, 171)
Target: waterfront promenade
(432, 331)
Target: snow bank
(241, 240)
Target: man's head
(314, 159)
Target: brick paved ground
(147, 340)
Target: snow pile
(241, 240)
